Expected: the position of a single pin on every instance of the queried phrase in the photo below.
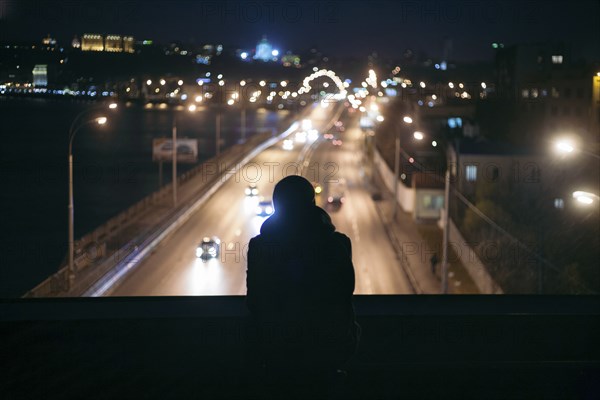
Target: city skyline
(336, 28)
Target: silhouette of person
(433, 260)
(300, 281)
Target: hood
(314, 222)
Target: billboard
(187, 150)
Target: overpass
(149, 249)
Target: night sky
(336, 27)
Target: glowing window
(471, 173)
(559, 204)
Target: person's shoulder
(255, 240)
(343, 239)
(341, 236)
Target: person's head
(293, 194)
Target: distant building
(92, 42)
(128, 44)
(534, 173)
(40, 75)
(291, 60)
(49, 42)
(552, 93)
(76, 42)
(111, 43)
(264, 50)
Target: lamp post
(75, 127)
(218, 133)
(243, 122)
(243, 113)
(446, 232)
(407, 120)
(174, 159)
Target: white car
(264, 208)
(288, 144)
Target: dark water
(113, 169)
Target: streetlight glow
(585, 197)
(408, 120)
(112, 106)
(101, 120)
(564, 146)
(192, 108)
(418, 135)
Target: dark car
(210, 247)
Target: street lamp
(585, 198)
(568, 146)
(407, 120)
(75, 127)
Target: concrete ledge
(498, 347)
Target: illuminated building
(92, 42)
(264, 50)
(291, 60)
(128, 44)
(595, 117)
(76, 43)
(113, 44)
(40, 75)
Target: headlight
(255, 191)
(269, 210)
(318, 190)
(259, 210)
(248, 192)
(199, 252)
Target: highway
(173, 268)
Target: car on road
(251, 190)
(264, 208)
(336, 194)
(336, 199)
(209, 247)
(288, 144)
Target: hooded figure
(300, 281)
